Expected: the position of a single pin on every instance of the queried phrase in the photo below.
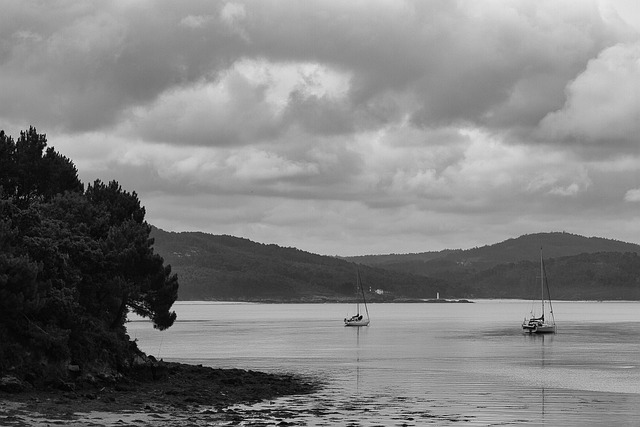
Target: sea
(443, 364)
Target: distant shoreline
(396, 301)
(334, 301)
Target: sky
(341, 127)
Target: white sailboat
(540, 325)
(358, 319)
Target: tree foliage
(73, 263)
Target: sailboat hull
(363, 322)
(543, 328)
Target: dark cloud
(382, 124)
(320, 115)
(457, 62)
(94, 63)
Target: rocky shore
(159, 394)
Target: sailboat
(358, 319)
(540, 325)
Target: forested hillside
(523, 248)
(226, 267)
(597, 276)
(214, 267)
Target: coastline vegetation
(74, 261)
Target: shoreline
(398, 301)
(184, 394)
(332, 301)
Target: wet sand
(185, 395)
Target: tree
(72, 265)
(27, 172)
(30, 178)
(137, 278)
(8, 173)
(60, 175)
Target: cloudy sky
(342, 127)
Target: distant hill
(220, 267)
(581, 267)
(523, 248)
(214, 267)
(587, 276)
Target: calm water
(422, 364)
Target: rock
(139, 360)
(89, 379)
(107, 377)
(11, 384)
(64, 385)
(160, 371)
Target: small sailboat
(358, 319)
(540, 325)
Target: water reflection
(542, 341)
(542, 358)
(466, 364)
(357, 359)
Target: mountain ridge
(223, 267)
(552, 246)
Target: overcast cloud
(342, 127)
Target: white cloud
(627, 11)
(570, 190)
(196, 21)
(602, 102)
(568, 180)
(233, 13)
(230, 111)
(632, 195)
(257, 165)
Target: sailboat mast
(358, 285)
(364, 301)
(542, 281)
(363, 298)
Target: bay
(421, 364)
